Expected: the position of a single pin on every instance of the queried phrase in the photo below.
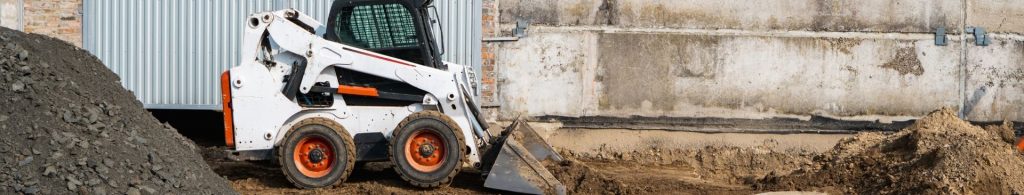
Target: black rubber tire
(449, 132)
(336, 135)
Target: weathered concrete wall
(855, 60)
(995, 87)
(1005, 16)
(816, 15)
(995, 74)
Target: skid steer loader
(368, 86)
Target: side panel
(169, 53)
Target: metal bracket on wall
(980, 38)
(940, 37)
(520, 30)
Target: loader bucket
(514, 162)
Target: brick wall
(489, 25)
(57, 18)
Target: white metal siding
(12, 14)
(460, 25)
(170, 53)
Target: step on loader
(369, 85)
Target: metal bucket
(514, 162)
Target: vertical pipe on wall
(477, 45)
(963, 61)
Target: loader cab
(396, 28)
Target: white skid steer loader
(368, 86)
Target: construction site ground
(605, 161)
(585, 176)
(69, 127)
(938, 154)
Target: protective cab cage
(395, 28)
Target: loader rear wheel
(316, 153)
(428, 149)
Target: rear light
(225, 93)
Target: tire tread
(350, 146)
(447, 121)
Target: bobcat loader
(368, 86)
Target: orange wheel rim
(1020, 144)
(314, 157)
(425, 151)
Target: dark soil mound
(939, 154)
(67, 126)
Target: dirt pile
(712, 169)
(726, 164)
(939, 154)
(67, 126)
(579, 178)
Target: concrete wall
(818, 15)
(854, 60)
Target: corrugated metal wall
(460, 25)
(171, 52)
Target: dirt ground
(938, 154)
(265, 177)
(706, 170)
(581, 176)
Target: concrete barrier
(814, 15)
(871, 60)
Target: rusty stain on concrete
(831, 16)
(607, 13)
(663, 16)
(905, 62)
(536, 11)
(838, 15)
(648, 82)
(843, 44)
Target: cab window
(388, 29)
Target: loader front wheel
(316, 153)
(428, 149)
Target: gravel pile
(67, 126)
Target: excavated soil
(581, 174)
(939, 154)
(68, 127)
(708, 170)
